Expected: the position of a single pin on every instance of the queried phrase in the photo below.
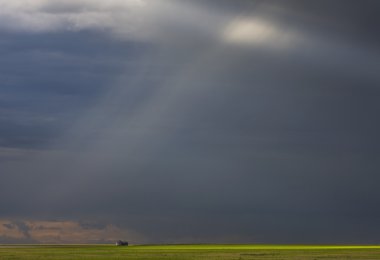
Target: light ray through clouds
(214, 124)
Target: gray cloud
(259, 127)
(22, 227)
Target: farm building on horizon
(121, 243)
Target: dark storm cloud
(46, 79)
(259, 127)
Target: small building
(121, 243)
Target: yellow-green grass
(206, 251)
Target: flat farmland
(283, 252)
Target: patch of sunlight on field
(253, 247)
(209, 252)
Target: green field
(209, 252)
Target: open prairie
(284, 252)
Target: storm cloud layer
(190, 121)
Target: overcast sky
(163, 121)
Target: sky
(178, 121)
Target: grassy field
(208, 252)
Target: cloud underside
(60, 232)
